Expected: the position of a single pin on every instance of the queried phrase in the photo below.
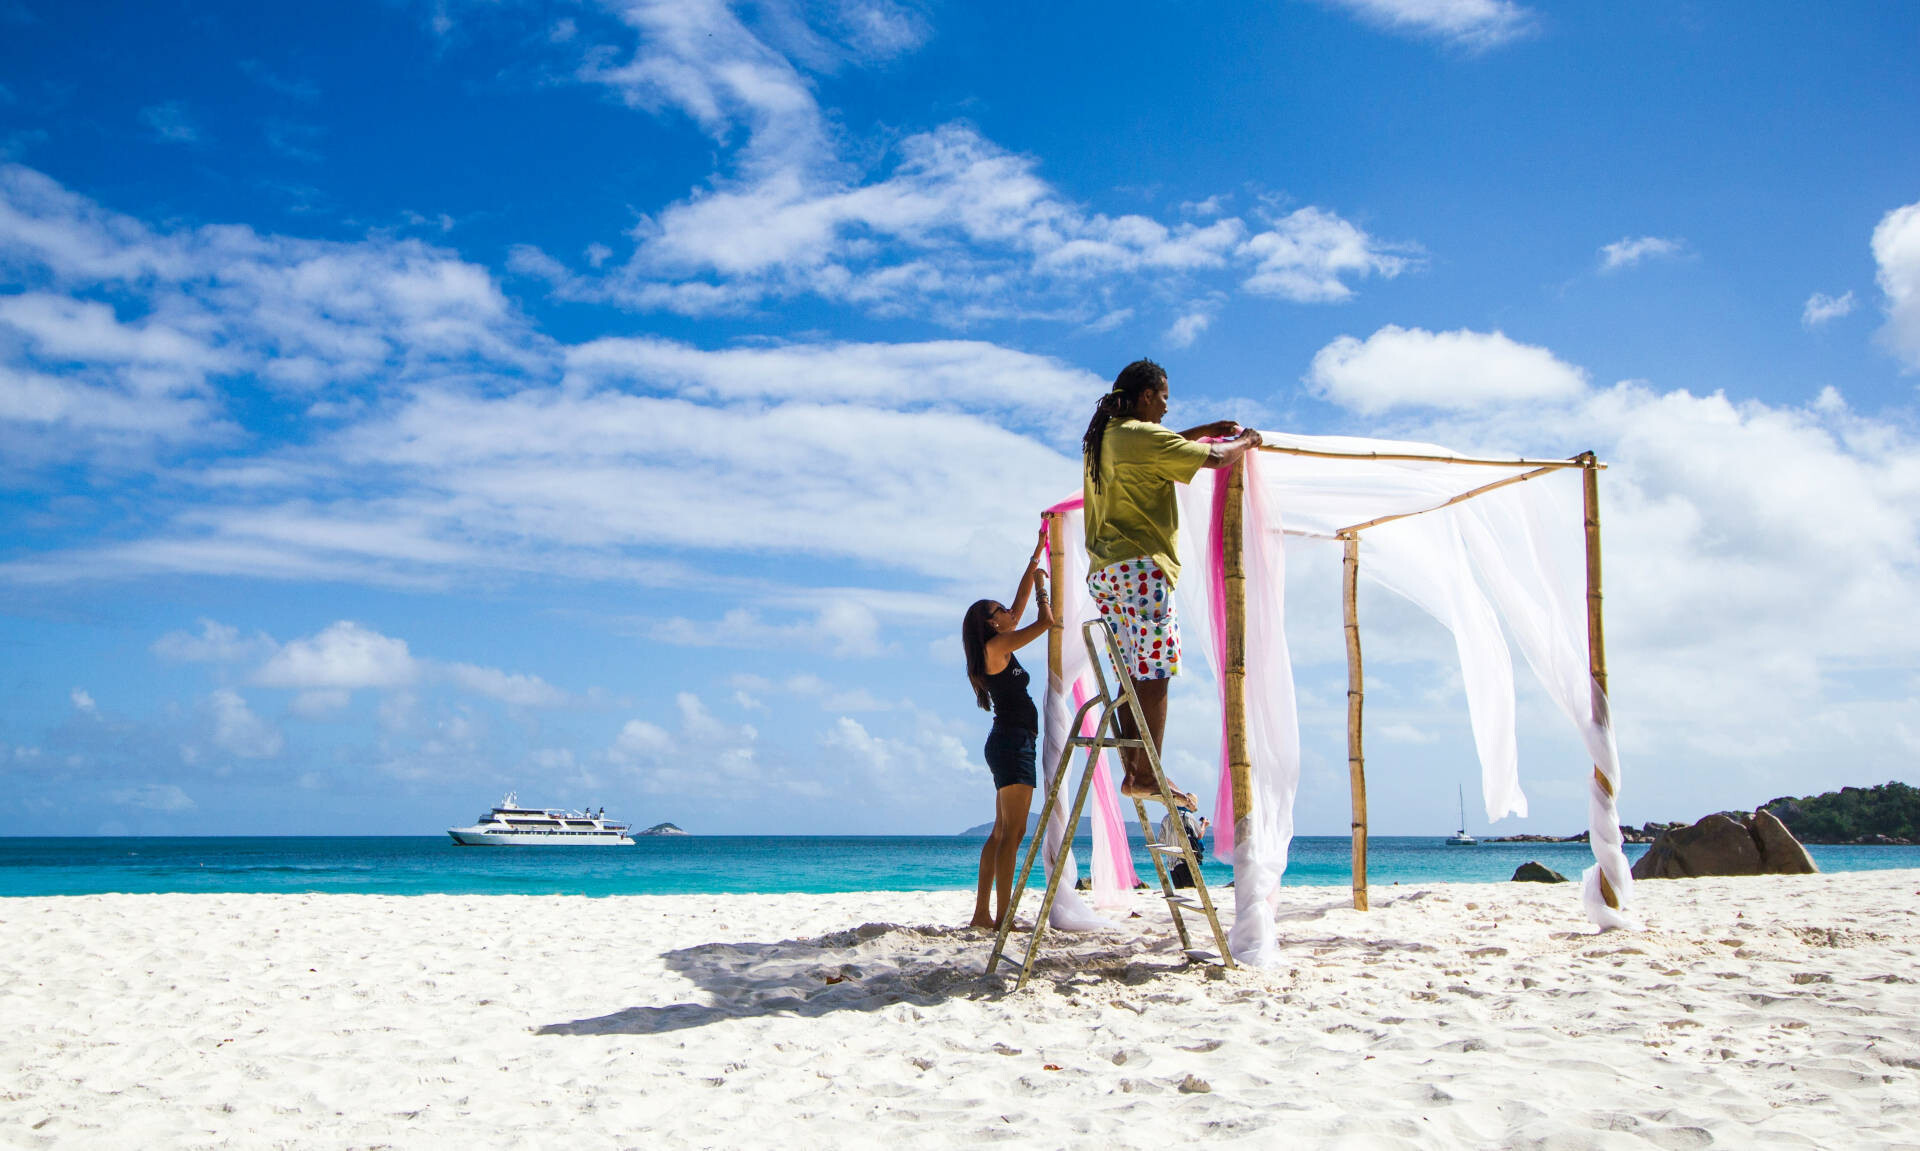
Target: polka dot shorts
(1137, 602)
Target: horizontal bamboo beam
(1418, 457)
(1483, 489)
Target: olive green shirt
(1133, 511)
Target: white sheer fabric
(1073, 606)
(1425, 560)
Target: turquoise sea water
(409, 865)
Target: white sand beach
(1773, 1011)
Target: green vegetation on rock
(1890, 811)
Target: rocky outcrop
(1782, 853)
(1533, 871)
(1646, 834)
(1729, 843)
(661, 829)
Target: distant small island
(662, 829)
(982, 830)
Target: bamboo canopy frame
(1232, 530)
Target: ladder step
(1196, 955)
(1089, 741)
(1169, 848)
(1182, 901)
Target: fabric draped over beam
(1512, 553)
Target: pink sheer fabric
(1223, 813)
(1113, 874)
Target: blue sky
(619, 402)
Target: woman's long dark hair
(976, 628)
(1133, 379)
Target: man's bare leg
(1152, 694)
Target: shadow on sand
(868, 968)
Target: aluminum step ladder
(1104, 653)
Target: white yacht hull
(475, 837)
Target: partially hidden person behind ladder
(991, 633)
(1133, 522)
(1196, 827)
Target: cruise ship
(509, 824)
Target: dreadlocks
(1133, 379)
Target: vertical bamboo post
(1596, 632)
(1056, 648)
(1356, 696)
(1233, 567)
(1056, 567)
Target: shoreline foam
(1770, 1009)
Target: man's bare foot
(1184, 799)
(986, 922)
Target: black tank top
(1012, 706)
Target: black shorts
(1010, 757)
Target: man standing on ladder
(1133, 523)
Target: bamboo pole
(1056, 567)
(1596, 634)
(1356, 696)
(1232, 552)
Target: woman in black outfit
(991, 633)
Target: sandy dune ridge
(1772, 1011)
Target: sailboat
(1461, 838)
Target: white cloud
(848, 739)
(1305, 256)
(1411, 367)
(844, 629)
(319, 703)
(517, 690)
(1406, 733)
(1188, 327)
(216, 643)
(345, 656)
(1821, 308)
(899, 768)
(192, 308)
(829, 696)
(82, 701)
(171, 122)
(1626, 252)
(957, 229)
(1474, 24)
(1896, 250)
(154, 797)
(238, 730)
(639, 739)
(951, 374)
(706, 756)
